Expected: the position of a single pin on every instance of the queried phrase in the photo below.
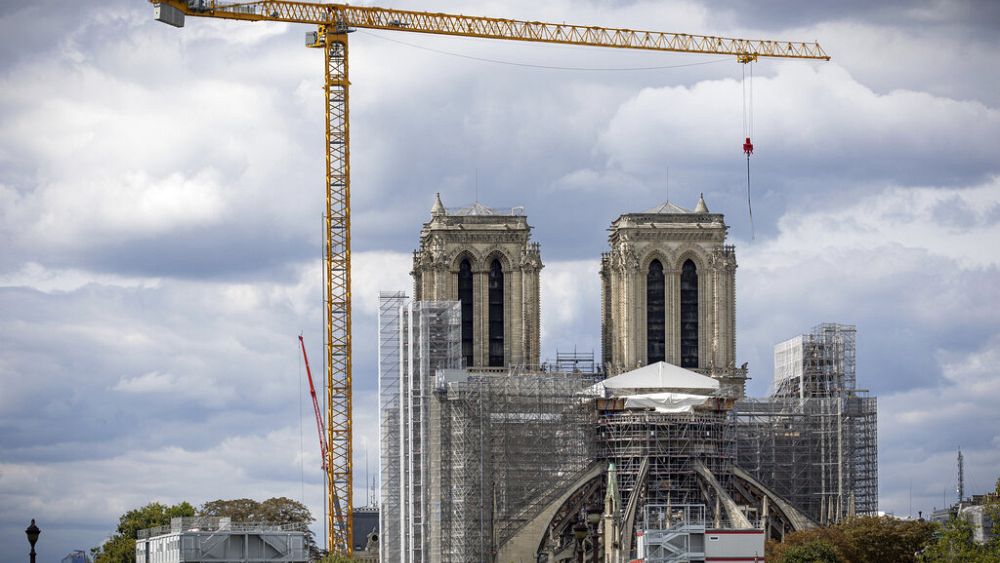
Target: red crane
(323, 448)
(319, 416)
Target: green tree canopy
(814, 551)
(120, 547)
(864, 539)
(954, 544)
(239, 510)
(280, 510)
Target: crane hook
(748, 147)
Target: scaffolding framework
(510, 443)
(673, 443)
(416, 339)
(814, 440)
(389, 419)
(820, 363)
(467, 456)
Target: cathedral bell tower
(668, 294)
(484, 258)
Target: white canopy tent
(661, 387)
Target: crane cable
(748, 133)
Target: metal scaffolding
(814, 440)
(818, 364)
(416, 339)
(673, 443)
(389, 437)
(467, 456)
(510, 444)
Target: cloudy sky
(161, 197)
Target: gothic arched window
(655, 314)
(465, 297)
(496, 314)
(689, 315)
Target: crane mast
(333, 22)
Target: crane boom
(316, 409)
(323, 448)
(369, 17)
(334, 22)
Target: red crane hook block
(748, 147)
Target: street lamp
(32, 532)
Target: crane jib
(371, 17)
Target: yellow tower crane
(333, 22)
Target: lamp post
(32, 532)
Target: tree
(955, 540)
(991, 507)
(816, 551)
(955, 544)
(238, 510)
(120, 547)
(334, 558)
(830, 536)
(884, 538)
(284, 510)
(280, 510)
(863, 539)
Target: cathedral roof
(667, 207)
(477, 209)
(670, 208)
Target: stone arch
(690, 252)
(465, 254)
(656, 254)
(496, 253)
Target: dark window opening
(496, 314)
(656, 333)
(689, 315)
(465, 297)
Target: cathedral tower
(668, 294)
(485, 259)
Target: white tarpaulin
(665, 402)
(663, 376)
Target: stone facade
(672, 236)
(481, 236)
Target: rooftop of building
(213, 524)
(668, 214)
(477, 216)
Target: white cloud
(808, 111)
(37, 276)
(960, 224)
(176, 387)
